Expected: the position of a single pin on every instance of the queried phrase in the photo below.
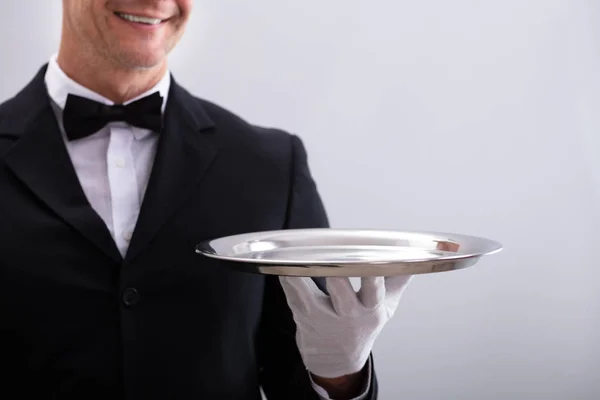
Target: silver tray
(344, 252)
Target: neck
(118, 84)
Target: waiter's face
(131, 33)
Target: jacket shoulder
(228, 119)
(12, 116)
(236, 131)
(17, 111)
(11, 111)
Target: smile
(138, 19)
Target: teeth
(143, 20)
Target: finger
(342, 295)
(300, 292)
(372, 291)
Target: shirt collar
(59, 86)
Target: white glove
(335, 334)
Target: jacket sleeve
(282, 373)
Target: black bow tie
(83, 117)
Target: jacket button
(131, 297)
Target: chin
(141, 60)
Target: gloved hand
(335, 334)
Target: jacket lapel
(183, 157)
(41, 161)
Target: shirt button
(119, 162)
(131, 297)
(127, 235)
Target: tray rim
(204, 248)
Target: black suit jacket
(77, 321)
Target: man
(110, 174)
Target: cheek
(185, 7)
(98, 29)
(178, 28)
(93, 19)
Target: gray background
(471, 116)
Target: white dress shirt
(114, 164)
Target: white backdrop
(479, 117)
